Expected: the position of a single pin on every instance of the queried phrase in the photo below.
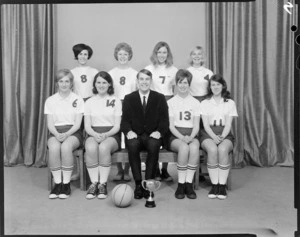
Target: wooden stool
(203, 168)
(78, 154)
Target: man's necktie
(144, 104)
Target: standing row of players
(103, 114)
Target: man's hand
(155, 135)
(131, 135)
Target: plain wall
(142, 25)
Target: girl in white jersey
(83, 74)
(201, 75)
(163, 81)
(83, 80)
(102, 117)
(216, 139)
(64, 112)
(184, 115)
(124, 78)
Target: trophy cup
(151, 185)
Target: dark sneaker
(189, 191)
(92, 191)
(222, 192)
(65, 191)
(213, 193)
(119, 176)
(102, 193)
(157, 175)
(55, 191)
(126, 177)
(139, 192)
(165, 175)
(180, 192)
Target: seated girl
(102, 117)
(184, 114)
(217, 112)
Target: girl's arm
(209, 131)
(115, 129)
(173, 130)
(227, 127)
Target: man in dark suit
(145, 121)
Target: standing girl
(124, 78)
(83, 79)
(163, 81)
(201, 75)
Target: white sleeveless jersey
(64, 110)
(217, 112)
(124, 81)
(83, 81)
(200, 79)
(103, 111)
(163, 78)
(183, 110)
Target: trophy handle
(159, 183)
(143, 184)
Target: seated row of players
(124, 77)
(145, 118)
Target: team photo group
(157, 107)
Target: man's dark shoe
(138, 192)
(165, 175)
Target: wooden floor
(260, 202)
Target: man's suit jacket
(156, 117)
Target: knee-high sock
(182, 170)
(191, 169)
(93, 172)
(67, 172)
(104, 170)
(56, 172)
(223, 173)
(213, 172)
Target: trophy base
(150, 204)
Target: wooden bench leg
(229, 184)
(196, 179)
(81, 170)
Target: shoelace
(92, 188)
(102, 188)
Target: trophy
(151, 185)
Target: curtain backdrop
(27, 52)
(252, 46)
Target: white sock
(67, 172)
(191, 169)
(93, 173)
(213, 172)
(182, 170)
(223, 173)
(56, 173)
(104, 170)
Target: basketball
(122, 195)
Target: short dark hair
(144, 71)
(182, 74)
(79, 47)
(218, 78)
(107, 78)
